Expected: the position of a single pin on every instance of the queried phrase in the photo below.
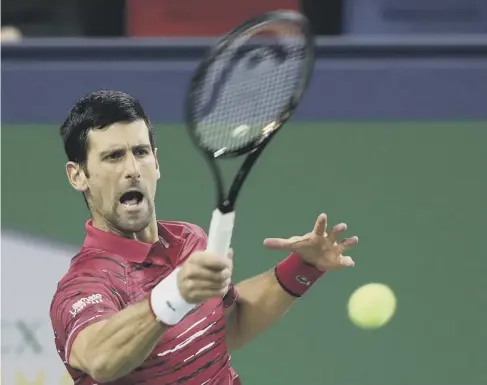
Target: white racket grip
(220, 232)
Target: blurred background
(149, 18)
(390, 138)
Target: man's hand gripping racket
(243, 91)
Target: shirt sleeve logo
(79, 305)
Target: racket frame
(255, 148)
(223, 217)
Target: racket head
(283, 36)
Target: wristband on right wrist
(166, 301)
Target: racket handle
(220, 233)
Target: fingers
(214, 285)
(347, 243)
(205, 275)
(278, 243)
(337, 231)
(211, 261)
(346, 261)
(320, 225)
(209, 267)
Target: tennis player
(142, 302)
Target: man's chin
(133, 225)
(133, 221)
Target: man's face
(122, 176)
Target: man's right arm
(96, 333)
(107, 342)
(114, 347)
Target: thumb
(278, 243)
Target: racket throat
(226, 207)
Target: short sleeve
(80, 301)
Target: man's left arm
(261, 301)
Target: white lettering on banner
(21, 337)
(83, 302)
(38, 378)
(29, 355)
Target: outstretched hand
(322, 250)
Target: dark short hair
(97, 111)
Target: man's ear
(157, 164)
(77, 176)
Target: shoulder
(91, 268)
(92, 289)
(95, 261)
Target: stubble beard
(127, 224)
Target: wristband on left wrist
(296, 276)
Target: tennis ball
(241, 130)
(372, 305)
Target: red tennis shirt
(110, 273)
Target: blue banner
(353, 80)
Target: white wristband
(167, 302)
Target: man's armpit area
(77, 355)
(87, 317)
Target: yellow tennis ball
(372, 305)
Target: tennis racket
(243, 91)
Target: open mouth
(131, 199)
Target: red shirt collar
(131, 249)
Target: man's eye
(115, 155)
(141, 152)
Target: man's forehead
(119, 135)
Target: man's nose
(132, 168)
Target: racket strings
(243, 93)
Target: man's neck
(150, 234)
